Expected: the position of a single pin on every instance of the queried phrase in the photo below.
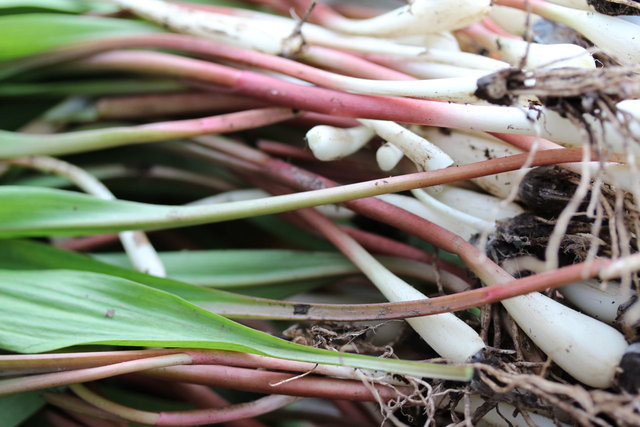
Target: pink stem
(141, 106)
(240, 411)
(74, 405)
(309, 98)
(349, 64)
(311, 119)
(36, 382)
(199, 395)
(263, 381)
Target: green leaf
(26, 34)
(236, 268)
(16, 408)
(26, 255)
(69, 6)
(49, 310)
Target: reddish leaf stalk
(75, 405)
(36, 382)
(201, 396)
(263, 381)
(482, 266)
(58, 420)
(370, 241)
(310, 98)
(141, 106)
(186, 418)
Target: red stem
(263, 381)
(141, 106)
(59, 420)
(201, 396)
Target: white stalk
(537, 55)
(587, 349)
(424, 154)
(331, 210)
(615, 36)
(445, 210)
(419, 17)
(597, 300)
(584, 347)
(235, 30)
(471, 147)
(441, 217)
(480, 205)
(136, 244)
(272, 34)
(332, 143)
(455, 89)
(512, 20)
(443, 40)
(575, 4)
(388, 156)
(427, 70)
(448, 335)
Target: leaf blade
(75, 308)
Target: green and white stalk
(332, 211)
(418, 17)
(142, 254)
(448, 335)
(332, 143)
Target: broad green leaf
(26, 34)
(49, 310)
(16, 408)
(26, 255)
(69, 6)
(235, 268)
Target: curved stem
(36, 382)
(186, 418)
(13, 144)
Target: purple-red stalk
(264, 381)
(201, 396)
